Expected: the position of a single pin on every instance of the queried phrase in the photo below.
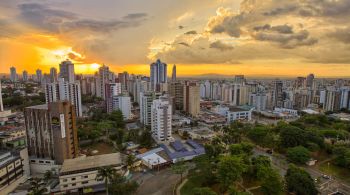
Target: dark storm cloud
(220, 46)
(192, 32)
(287, 41)
(283, 29)
(281, 10)
(54, 20)
(184, 44)
(135, 16)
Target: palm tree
(130, 160)
(37, 187)
(106, 174)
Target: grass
(334, 170)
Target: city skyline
(226, 37)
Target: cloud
(41, 16)
(192, 32)
(341, 34)
(184, 44)
(221, 46)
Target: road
(325, 186)
(156, 183)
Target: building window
(65, 186)
(64, 180)
(84, 182)
(73, 184)
(73, 179)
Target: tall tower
(67, 71)
(39, 75)
(1, 105)
(53, 75)
(173, 76)
(191, 99)
(13, 74)
(161, 119)
(25, 76)
(158, 74)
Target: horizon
(225, 37)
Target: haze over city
(255, 38)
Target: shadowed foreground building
(51, 135)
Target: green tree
(230, 169)
(180, 168)
(130, 160)
(48, 175)
(342, 156)
(37, 187)
(241, 148)
(292, 136)
(299, 155)
(299, 181)
(106, 174)
(119, 185)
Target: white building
(13, 74)
(67, 71)
(161, 116)
(258, 100)
(122, 103)
(146, 100)
(62, 90)
(345, 98)
(238, 113)
(102, 77)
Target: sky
(251, 37)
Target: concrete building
(63, 90)
(258, 100)
(25, 76)
(13, 74)
(345, 98)
(177, 92)
(53, 75)
(80, 174)
(158, 74)
(67, 71)
(310, 80)
(103, 77)
(122, 103)
(191, 99)
(39, 75)
(123, 79)
(161, 117)
(277, 93)
(146, 101)
(11, 171)
(238, 113)
(239, 79)
(332, 100)
(173, 76)
(51, 135)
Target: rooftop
(89, 162)
(41, 107)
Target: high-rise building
(177, 92)
(173, 76)
(310, 80)
(102, 77)
(25, 76)
(146, 100)
(332, 100)
(239, 79)
(158, 74)
(67, 71)
(161, 119)
(13, 74)
(1, 104)
(258, 100)
(51, 131)
(112, 90)
(345, 98)
(278, 93)
(39, 75)
(53, 75)
(300, 82)
(63, 90)
(122, 103)
(123, 79)
(191, 99)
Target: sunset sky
(250, 37)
